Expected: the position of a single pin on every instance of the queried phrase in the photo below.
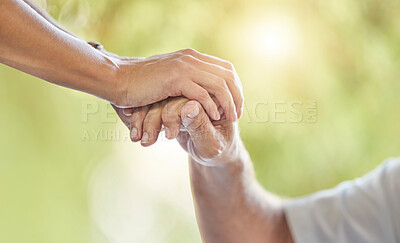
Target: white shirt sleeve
(364, 210)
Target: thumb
(205, 141)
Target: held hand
(208, 143)
(183, 73)
(145, 122)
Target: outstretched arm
(52, 21)
(33, 42)
(48, 17)
(28, 42)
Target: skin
(33, 42)
(230, 204)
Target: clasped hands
(208, 142)
(204, 127)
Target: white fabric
(364, 210)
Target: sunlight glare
(275, 38)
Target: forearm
(47, 17)
(232, 207)
(31, 44)
(53, 22)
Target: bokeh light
(274, 38)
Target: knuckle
(154, 110)
(189, 51)
(176, 104)
(172, 109)
(138, 116)
(203, 95)
(168, 115)
(230, 76)
(202, 124)
(187, 59)
(220, 82)
(228, 107)
(229, 65)
(221, 86)
(180, 65)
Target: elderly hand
(230, 205)
(207, 142)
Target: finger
(220, 110)
(216, 101)
(240, 100)
(152, 124)
(238, 97)
(207, 58)
(194, 91)
(128, 111)
(137, 119)
(212, 59)
(171, 116)
(206, 140)
(218, 87)
(125, 119)
(230, 76)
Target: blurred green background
(321, 82)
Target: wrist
(119, 94)
(112, 84)
(234, 162)
(233, 152)
(110, 74)
(129, 93)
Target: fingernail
(127, 112)
(134, 133)
(217, 116)
(194, 113)
(167, 133)
(145, 137)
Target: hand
(230, 205)
(210, 143)
(183, 73)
